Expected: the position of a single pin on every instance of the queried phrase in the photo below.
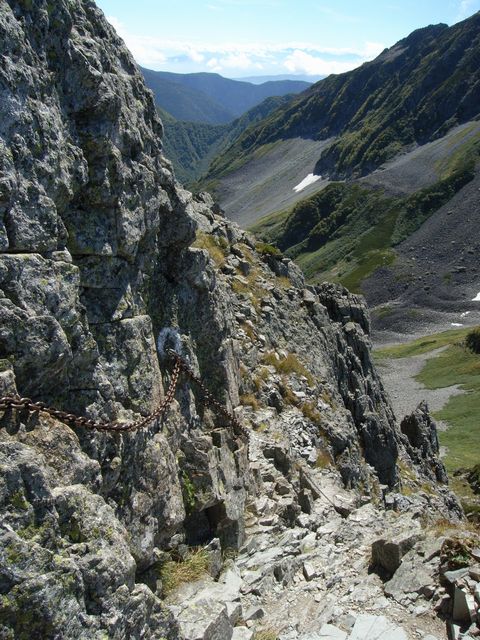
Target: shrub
(266, 249)
(472, 340)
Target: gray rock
(309, 572)
(254, 613)
(464, 609)
(379, 627)
(330, 632)
(388, 554)
(105, 263)
(242, 633)
(421, 432)
(453, 576)
(206, 619)
(412, 577)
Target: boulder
(388, 553)
(379, 627)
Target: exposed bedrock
(105, 263)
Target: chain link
(208, 398)
(26, 404)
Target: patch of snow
(464, 314)
(477, 298)
(310, 179)
(456, 324)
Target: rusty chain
(208, 397)
(26, 404)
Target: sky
(239, 38)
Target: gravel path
(398, 375)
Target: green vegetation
(413, 95)
(192, 146)
(454, 365)
(18, 500)
(418, 207)
(347, 231)
(266, 249)
(457, 365)
(177, 572)
(188, 492)
(472, 341)
(457, 550)
(423, 345)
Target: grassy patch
(455, 365)
(423, 345)
(249, 400)
(175, 573)
(288, 364)
(266, 634)
(270, 225)
(216, 247)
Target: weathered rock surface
(421, 432)
(105, 264)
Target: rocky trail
(314, 573)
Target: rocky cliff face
(106, 263)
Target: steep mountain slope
(192, 145)
(106, 263)
(352, 231)
(208, 97)
(411, 94)
(184, 102)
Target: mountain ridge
(371, 109)
(211, 98)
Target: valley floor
(406, 392)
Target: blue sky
(266, 37)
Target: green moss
(18, 500)
(72, 531)
(188, 492)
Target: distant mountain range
(353, 169)
(411, 93)
(210, 98)
(191, 146)
(296, 77)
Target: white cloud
(302, 62)
(296, 57)
(145, 50)
(465, 8)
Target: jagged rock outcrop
(421, 432)
(106, 263)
